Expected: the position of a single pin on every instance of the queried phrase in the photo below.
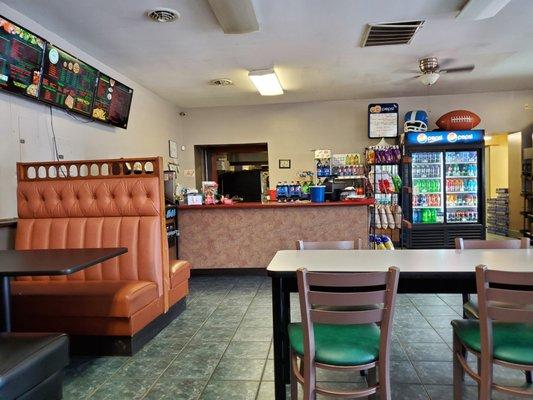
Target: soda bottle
(425, 216)
(437, 185)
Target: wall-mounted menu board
(383, 120)
(67, 82)
(21, 54)
(112, 101)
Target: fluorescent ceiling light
(266, 81)
(235, 16)
(481, 9)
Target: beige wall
(152, 122)
(293, 130)
(516, 202)
(498, 161)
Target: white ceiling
(313, 44)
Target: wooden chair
(331, 245)
(470, 306)
(503, 334)
(343, 340)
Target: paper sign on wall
(382, 120)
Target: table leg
(281, 318)
(5, 323)
(466, 299)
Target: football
(458, 120)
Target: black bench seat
(31, 365)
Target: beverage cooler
(447, 188)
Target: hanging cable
(54, 134)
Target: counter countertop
(273, 204)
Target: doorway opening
(240, 170)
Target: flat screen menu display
(21, 54)
(112, 101)
(67, 82)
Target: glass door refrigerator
(446, 185)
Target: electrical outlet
(22, 141)
(60, 156)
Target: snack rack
(527, 193)
(386, 217)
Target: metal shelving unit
(527, 193)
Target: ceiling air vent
(221, 82)
(390, 33)
(163, 15)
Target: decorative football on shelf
(458, 120)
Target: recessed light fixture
(163, 15)
(266, 81)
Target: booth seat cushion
(28, 359)
(511, 342)
(180, 271)
(82, 298)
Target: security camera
(183, 114)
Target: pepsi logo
(452, 137)
(375, 109)
(422, 138)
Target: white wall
(152, 122)
(292, 130)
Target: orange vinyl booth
(116, 306)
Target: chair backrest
(462, 244)
(330, 245)
(376, 289)
(504, 297)
(96, 203)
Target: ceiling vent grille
(163, 15)
(390, 33)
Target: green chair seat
(512, 342)
(341, 345)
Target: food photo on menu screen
(67, 82)
(21, 54)
(112, 101)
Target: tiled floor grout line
(179, 353)
(407, 355)
(168, 366)
(229, 342)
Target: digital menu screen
(112, 101)
(67, 82)
(21, 54)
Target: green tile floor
(221, 348)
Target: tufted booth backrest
(123, 211)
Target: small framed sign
(383, 120)
(285, 164)
(172, 149)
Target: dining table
(46, 262)
(421, 271)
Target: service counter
(247, 235)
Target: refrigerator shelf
(439, 193)
(460, 162)
(464, 192)
(455, 207)
(461, 177)
(420, 207)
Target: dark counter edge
(8, 222)
(258, 205)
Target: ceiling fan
(431, 70)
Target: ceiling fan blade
(444, 63)
(466, 68)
